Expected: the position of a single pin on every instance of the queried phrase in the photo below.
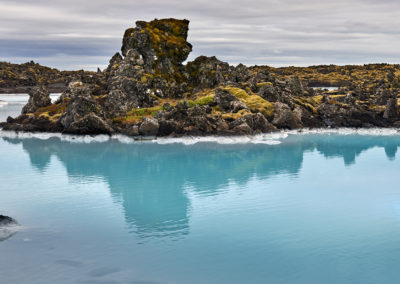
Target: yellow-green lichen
(253, 101)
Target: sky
(72, 34)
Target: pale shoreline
(273, 138)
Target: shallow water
(305, 208)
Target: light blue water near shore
(316, 208)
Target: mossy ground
(252, 100)
(52, 112)
(333, 75)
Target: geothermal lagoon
(291, 207)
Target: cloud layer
(85, 34)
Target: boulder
(75, 89)
(228, 102)
(392, 109)
(167, 127)
(78, 107)
(242, 129)
(284, 117)
(89, 124)
(132, 131)
(258, 123)
(38, 97)
(209, 72)
(149, 127)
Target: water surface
(316, 208)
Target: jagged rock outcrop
(147, 90)
(209, 72)
(161, 43)
(38, 97)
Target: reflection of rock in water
(7, 227)
(158, 206)
(351, 146)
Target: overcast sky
(72, 34)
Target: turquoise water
(316, 208)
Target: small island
(147, 90)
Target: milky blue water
(316, 208)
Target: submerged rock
(6, 227)
(5, 221)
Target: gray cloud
(85, 34)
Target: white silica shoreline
(274, 138)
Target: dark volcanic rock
(89, 124)
(228, 102)
(78, 107)
(5, 221)
(284, 117)
(258, 123)
(147, 90)
(209, 72)
(31, 124)
(38, 97)
(161, 43)
(149, 127)
(6, 227)
(74, 89)
(392, 109)
(242, 129)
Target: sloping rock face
(147, 90)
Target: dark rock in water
(5, 221)
(38, 97)
(6, 229)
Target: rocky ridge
(147, 91)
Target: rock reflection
(149, 180)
